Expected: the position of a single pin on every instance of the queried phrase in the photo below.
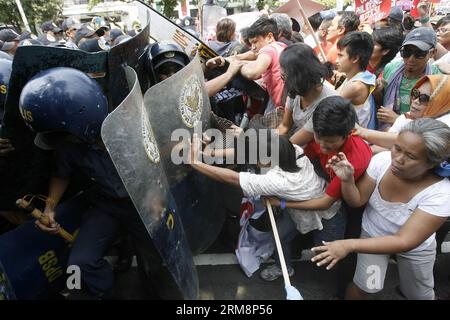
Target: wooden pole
(21, 203)
(305, 18)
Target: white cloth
(253, 246)
(292, 186)
(382, 218)
(402, 121)
(444, 59)
(301, 116)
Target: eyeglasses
(419, 54)
(442, 30)
(423, 98)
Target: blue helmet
(5, 74)
(64, 100)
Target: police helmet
(5, 75)
(166, 52)
(63, 101)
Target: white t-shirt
(383, 218)
(302, 185)
(444, 59)
(295, 186)
(402, 121)
(303, 117)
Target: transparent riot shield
(180, 102)
(128, 137)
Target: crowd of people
(363, 135)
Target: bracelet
(283, 204)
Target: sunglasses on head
(423, 98)
(419, 54)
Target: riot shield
(180, 102)
(33, 263)
(132, 53)
(161, 28)
(128, 137)
(211, 14)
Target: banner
(291, 9)
(371, 11)
(406, 5)
(443, 7)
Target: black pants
(102, 219)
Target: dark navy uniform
(106, 207)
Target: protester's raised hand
(195, 149)
(332, 252)
(341, 166)
(386, 115)
(215, 62)
(423, 8)
(235, 66)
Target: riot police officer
(165, 59)
(66, 108)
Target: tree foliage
(36, 11)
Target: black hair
(349, 20)
(244, 36)
(287, 158)
(303, 69)
(262, 27)
(408, 22)
(443, 21)
(388, 38)
(358, 44)
(334, 116)
(295, 25)
(315, 20)
(297, 37)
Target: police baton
(36, 213)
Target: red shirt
(358, 154)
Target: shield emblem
(180, 102)
(129, 138)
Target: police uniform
(106, 207)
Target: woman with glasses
(443, 37)
(304, 77)
(406, 204)
(430, 98)
(400, 76)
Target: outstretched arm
(216, 173)
(419, 227)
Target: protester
(343, 22)
(264, 60)
(406, 204)
(304, 76)
(387, 42)
(355, 50)
(225, 37)
(400, 76)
